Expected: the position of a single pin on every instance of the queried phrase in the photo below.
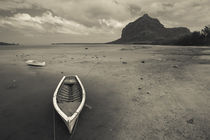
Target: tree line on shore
(197, 38)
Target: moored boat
(35, 63)
(69, 100)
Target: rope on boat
(91, 69)
(54, 124)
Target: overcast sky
(47, 21)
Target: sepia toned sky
(47, 21)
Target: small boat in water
(35, 63)
(69, 100)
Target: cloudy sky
(47, 21)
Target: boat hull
(35, 63)
(69, 120)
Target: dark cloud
(196, 4)
(116, 2)
(98, 12)
(168, 5)
(33, 11)
(135, 10)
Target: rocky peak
(148, 29)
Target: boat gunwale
(79, 109)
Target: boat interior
(69, 95)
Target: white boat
(35, 63)
(69, 100)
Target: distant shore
(74, 43)
(4, 43)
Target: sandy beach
(134, 92)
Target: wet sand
(135, 91)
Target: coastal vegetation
(196, 38)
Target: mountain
(148, 30)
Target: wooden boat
(69, 100)
(35, 63)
